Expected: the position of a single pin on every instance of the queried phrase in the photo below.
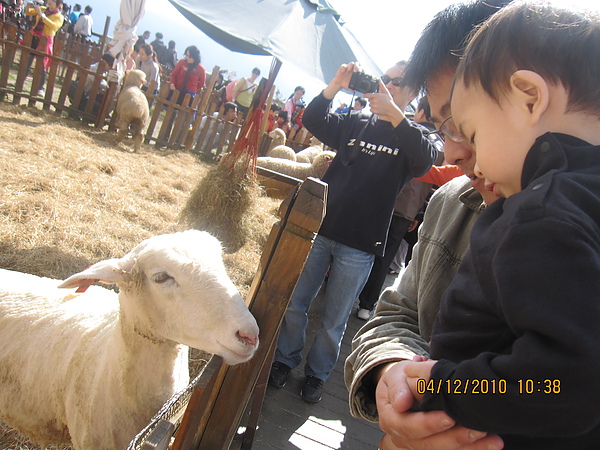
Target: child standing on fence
(48, 20)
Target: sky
(387, 29)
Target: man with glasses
(377, 155)
(401, 327)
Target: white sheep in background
(301, 170)
(277, 147)
(308, 154)
(96, 366)
(132, 108)
(298, 169)
(282, 152)
(277, 138)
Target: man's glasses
(448, 130)
(395, 81)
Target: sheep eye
(161, 277)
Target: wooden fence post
(8, 51)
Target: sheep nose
(247, 338)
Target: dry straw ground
(70, 197)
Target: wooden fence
(172, 125)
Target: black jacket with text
(374, 161)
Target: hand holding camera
(362, 82)
(341, 79)
(383, 104)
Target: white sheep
(132, 108)
(277, 138)
(298, 169)
(301, 170)
(282, 152)
(277, 147)
(308, 154)
(96, 366)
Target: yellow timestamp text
(475, 386)
(530, 386)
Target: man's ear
(531, 91)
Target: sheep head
(134, 78)
(322, 162)
(277, 137)
(174, 287)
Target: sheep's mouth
(239, 356)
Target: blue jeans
(350, 269)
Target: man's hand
(406, 429)
(341, 79)
(382, 103)
(413, 225)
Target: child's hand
(416, 370)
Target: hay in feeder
(221, 202)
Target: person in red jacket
(188, 76)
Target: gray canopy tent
(309, 34)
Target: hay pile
(223, 204)
(71, 197)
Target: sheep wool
(300, 170)
(282, 152)
(309, 153)
(132, 108)
(92, 368)
(277, 138)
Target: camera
(364, 83)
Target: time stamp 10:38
(473, 386)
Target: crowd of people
(159, 62)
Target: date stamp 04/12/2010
(473, 386)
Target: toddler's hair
(561, 45)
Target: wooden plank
(89, 107)
(176, 129)
(258, 399)
(268, 173)
(8, 52)
(184, 133)
(166, 125)
(202, 399)
(280, 266)
(202, 107)
(105, 107)
(265, 119)
(158, 107)
(227, 129)
(58, 45)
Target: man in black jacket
(377, 156)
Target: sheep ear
(108, 271)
